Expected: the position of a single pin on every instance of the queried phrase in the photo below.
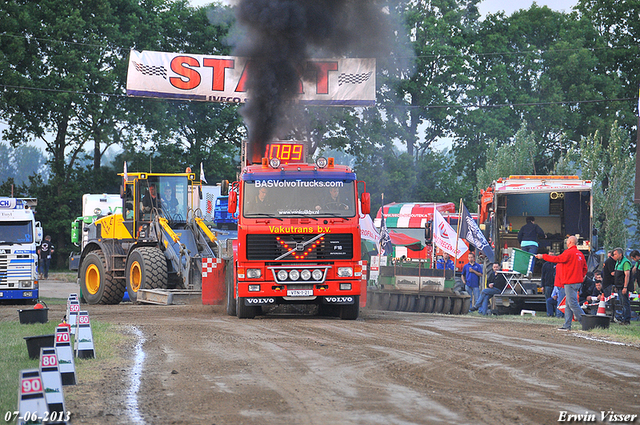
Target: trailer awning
(412, 215)
(404, 240)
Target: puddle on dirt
(134, 382)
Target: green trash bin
(522, 260)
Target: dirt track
(203, 367)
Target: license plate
(299, 292)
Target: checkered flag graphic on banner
(209, 209)
(353, 78)
(151, 70)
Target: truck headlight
(317, 274)
(345, 286)
(294, 275)
(305, 274)
(254, 288)
(282, 275)
(254, 273)
(345, 272)
(25, 284)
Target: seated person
(495, 285)
(260, 202)
(333, 201)
(552, 303)
(151, 200)
(169, 202)
(586, 288)
(598, 293)
(445, 263)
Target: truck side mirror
(233, 202)
(365, 202)
(38, 232)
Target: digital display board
(285, 151)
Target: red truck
(298, 235)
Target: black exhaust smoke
(280, 36)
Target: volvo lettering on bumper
(339, 300)
(259, 301)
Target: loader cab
(146, 196)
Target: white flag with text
(445, 237)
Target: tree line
(531, 92)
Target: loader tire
(146, 269)
(96, 283)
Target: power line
(448, 106)
(7, 86)
(515, 52)
(53, 40)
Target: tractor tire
(457, 306)
(466, 304)
(96, 283)
(402, 304)
(429, 304)
(229, 280)
(421, 304)
(438, 305)
(351, 311)
(146, 269)
(446, 307)
(384, 300)
(243, 311)
(394, 300)
(411, 303)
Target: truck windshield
(12, 232)
(286, 198)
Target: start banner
(336, 82)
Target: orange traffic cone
(601, 309)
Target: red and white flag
(445, 237)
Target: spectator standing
(495, 285)
(445, 263)
(548, 277)
(471, 274)
(635, 259)
(44, 254)
(622, 282)
(528, 237)
(571, 269)
(608, 270)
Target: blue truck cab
(221, 217)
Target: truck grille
(337, 246)
(4, 267)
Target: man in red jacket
(570, 272)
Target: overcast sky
(486, 6)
